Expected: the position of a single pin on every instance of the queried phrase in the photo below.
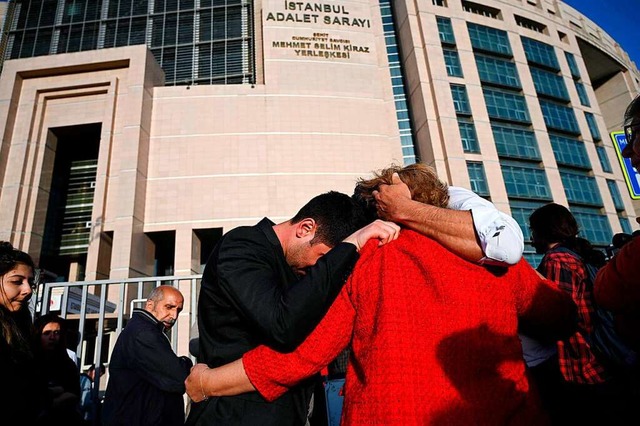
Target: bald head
(165, 304)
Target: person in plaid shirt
(584, 390)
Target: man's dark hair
(632, 112)
(553, 223)
(337, 216)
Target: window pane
(580, 188)
(506, 105)
(569, 151)
(497, 71)
(489, 39)
(525, 181)
(468, 135)
(515, 141)
(477, 178)
(540, 53)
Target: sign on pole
(631, 175)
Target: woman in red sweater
(433, 340)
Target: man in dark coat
(271, 284)
(146, 381)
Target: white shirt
(500, 235)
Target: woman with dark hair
(59, 370)
(23, 393)
(577, 386)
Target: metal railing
(102, 307)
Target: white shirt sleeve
(500, 235)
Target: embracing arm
(286, 312)
(273, 373)
(471, 227)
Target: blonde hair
(421, 179)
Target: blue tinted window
(490, 39)
(445, 29)
(525, 181)
(569, 151)
(559, 117)
(497, 71)
(452, 62)
(593, 126)
(460, 99)
(397, 84)
(573, 65)
(477, 178)
(582, 94)
(580, 188)
(625, 224)
(604, 160)
(549, 83)
(615, 194)
(468, 135)
(506, 105)
(540, 53)
(594, 226)
(515, 141)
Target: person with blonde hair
(434, 338)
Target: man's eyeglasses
(632, 131)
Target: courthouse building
(135, 133)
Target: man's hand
(380, 229)
(193, 383)
(390, 199)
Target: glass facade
(604, 160)
(582, 94)
(445, 29)
(549, 84)
(506, 105)
(593, 126)
(195, 42)
(559, 117)
(497, 71)
(569, 151)
(460, 99)
(477, 178)
(573, 65)
(397, 83)
(489, 39)
(525, 181)
(468, 135)
(615, 194)
(452, 62)
(594, 226)
(540, 53)
(515, 141)
(580, 188)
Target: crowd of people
(422, 284)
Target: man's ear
(149, 305)
(306, 227)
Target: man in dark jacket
(146, 381)
(271, 284)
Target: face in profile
(167, 309)
(632, 149)
(16, 287)
(303, 254)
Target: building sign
(322, 30)
(631, 175)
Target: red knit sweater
(434, 339)
(617, 288)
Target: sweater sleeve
(273, 373)
(617, 287)
(544, 311)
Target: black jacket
(250, 296)
(146, 378)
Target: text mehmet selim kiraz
(320, 44)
